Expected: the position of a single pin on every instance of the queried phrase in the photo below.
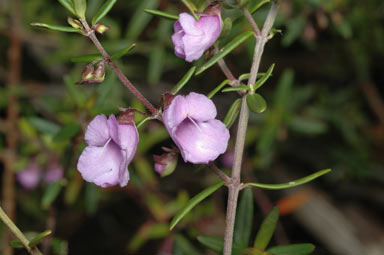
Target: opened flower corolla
(111, 147)
(190, 121)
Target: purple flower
(190, 121)
(30, 176)
(192, 38)
(111, 147)
(54, 173)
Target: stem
(227, 72)
(220, 173)
(16, 231)
(235, 186)
(91, 34)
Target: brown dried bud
(127, 117)
(214, 9)
(74, 23)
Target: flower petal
(200, 107)
(129, 139)
(97, 133)
(188, 23)
(211, 25)
(200, 143)
(175, 113)
(101, 165)
(113, 127)
(194, 46)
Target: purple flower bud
(190, 121)
(111, 147)
(54, 173)
(30, 176)
(166, 163)
(192, 38)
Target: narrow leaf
(256, 103)
(290, 184)
(244, 219)
(123, 51)
(51, 193)
(68, 4)
(191, 7)
(35, 241)
(232, 114)
(141, 19)
(193, 202)
(267, 228)
(218, 88)
(141, 122)
(162, 14)
(183, 80)
(264, 78)
(80, 8)
(16, 244)
(237, 88)
(293, 249)
(44, 126)
(217, 244)
(258, 6)
(225, 50)
(67, 131)
(86, 58)
(105, 8)
(56, 27)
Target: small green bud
(256, 103)
(74, 23)
(100, 28)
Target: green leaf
(244, 219)
(140, 18)
(292, 249)
(16, 244)
(87, 58)
(51, 193)
(294, 30)
(67, 131)
(183, 80)
(232, 113)
(267, 228)
(105, 8)
(68, 4)
(256, 103)
(141, 122)
(56, 27)
(182, 246)
(193, 202)
(80, 8)
(225, 50)
(217, 244)
(92, 197)
(35, 241)
(123, 51)
(258, 6)
(237, 88)
(290, 184)
(218, 88)
(44, 126)
(191, 7)
(162, 14)
(264, 78)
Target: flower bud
(99, 73)
(100, 28)
(74, 23)
(166, 163)
(29, 177)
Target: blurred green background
(325, 110)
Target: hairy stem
(235, 186)
(16, 231)
(91, 34)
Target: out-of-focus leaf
(26, 128)
(35, 241)
(68, 4)
(146, 232)
(162, 14)
(258, 5)
(87, 58)
(123, 51)
(218, 88)
(193, 202)
(290, 184)
(256, 103)
(294, 29)
(51, 193)
(183, 81)
(152, 138)
(141, 122)
(227, 27)
(267, 229)
(44, 126)
(217, 244)
(232, 113)
(105, 8)
(307, 125)
(92, 197)
(293, 249)
(73, 188)
(56, 27)
(237, 88)
(75, 92)
(140, 19)
(16, 244)
(225, 50)
(80, 7)
(67, 131)
(182, 246)
(244, 219)
(264, 78)
(155, 67)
